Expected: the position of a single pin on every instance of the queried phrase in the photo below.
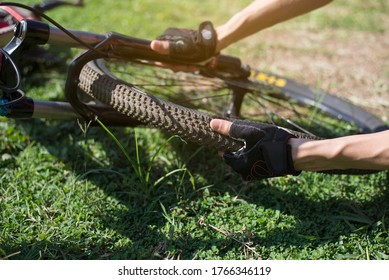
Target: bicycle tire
(149, 110)
(282, 88)
(192, 125)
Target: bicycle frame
(110, 45)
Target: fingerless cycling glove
(187, 45)
(266, 153)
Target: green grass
(70, 192)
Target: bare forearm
(261, 14)
(370, 151)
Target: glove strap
(278, 158)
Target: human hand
(266, 153)
(187, 46)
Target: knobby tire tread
(191, 125)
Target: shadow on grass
(143, 221)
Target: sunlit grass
(67, 192)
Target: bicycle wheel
(140, 90)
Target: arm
(368, 151)
(261, 14)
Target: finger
(161, 47)
(221, 126)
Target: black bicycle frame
(111, 45)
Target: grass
(71, 192)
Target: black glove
(191, 46)
(266, 153)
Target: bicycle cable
(5, 87)
(53, 22)
(4, 102)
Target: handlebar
(31, 32)
(123, 46)
(132, 48)
(28, 33)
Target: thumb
(221, 126)
(159, 46)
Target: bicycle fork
(235, 104)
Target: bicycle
(138, 92)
